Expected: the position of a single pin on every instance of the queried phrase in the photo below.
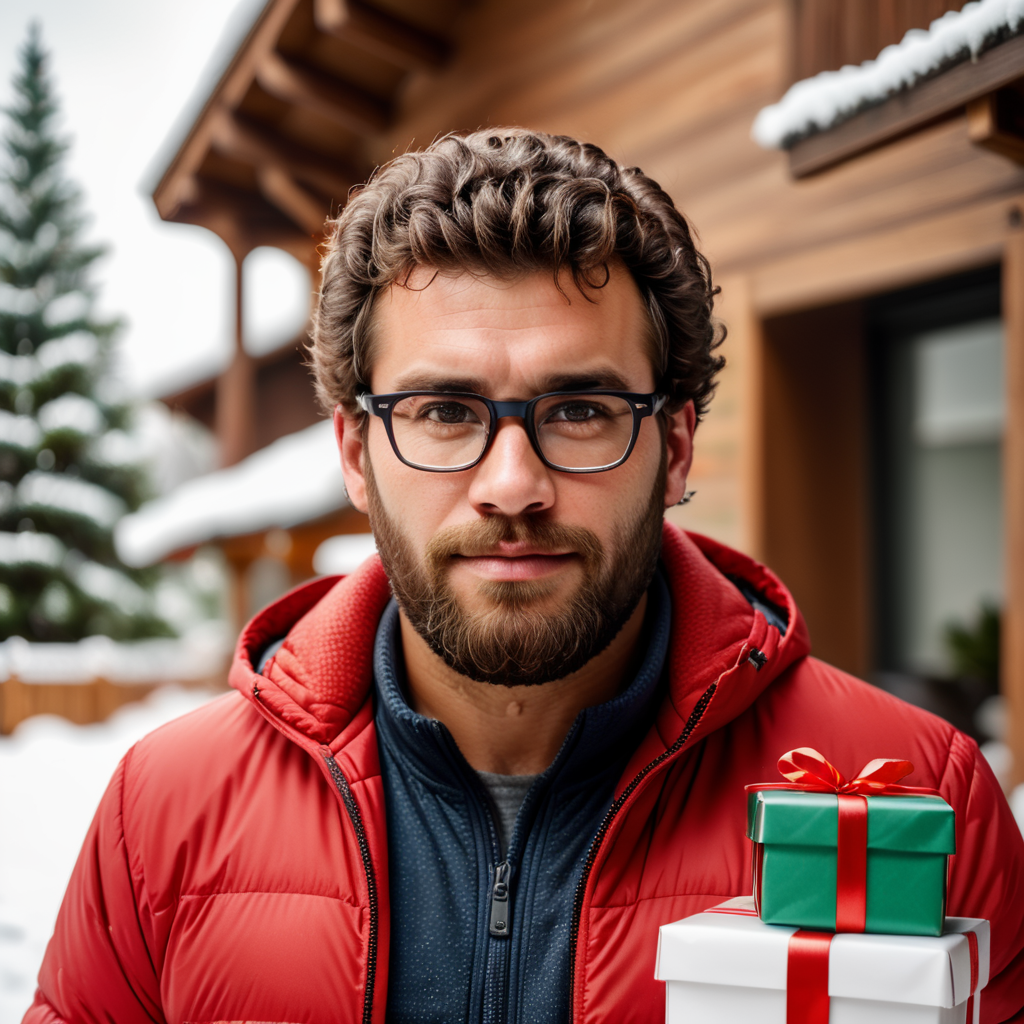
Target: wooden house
(844, 264)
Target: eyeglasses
(571, 431)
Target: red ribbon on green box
(805, 768)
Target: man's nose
(511, 480)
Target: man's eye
(575, 412)
(448, 412)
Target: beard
(509, 641)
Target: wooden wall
(831, 33)
(814, 446)
(81, 703)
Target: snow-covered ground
(52, 774)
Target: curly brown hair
(505, 202)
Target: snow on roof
(826, 100)
(197, 656)
(293, 480)
(341, 555)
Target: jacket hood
(316, 685)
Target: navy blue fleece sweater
(446, 962)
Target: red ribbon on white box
(807, 999)
(807, 966)
(972, 945)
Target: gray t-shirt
(507, 793)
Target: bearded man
(469, 781)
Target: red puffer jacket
(237, 866)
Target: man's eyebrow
(420, 381)
(603, 379)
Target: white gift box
(726, 966)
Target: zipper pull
(499, 899)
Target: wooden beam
(1012, 667)
(994, 122)
(851, 267)
(381, 34)
(179, 191)
(241, 218)
(344, 104)
(246, 140)
(229, 92)
(278, 186)
(930, 101)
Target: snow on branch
(826, 100)
(30, 548)
(76, 497)
(19, 431)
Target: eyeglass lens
(573, 431)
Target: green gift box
(795, 860)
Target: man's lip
(508, 549)
(528, 565)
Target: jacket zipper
(577, 911)
(499, 900)
(371, 880)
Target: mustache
(481, 537)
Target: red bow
(808, 770)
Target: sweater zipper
(577, 911)
(500, 900)
(371, 880)
(499, 896)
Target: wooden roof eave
(177, 182)
(945, 95)
(284, 175)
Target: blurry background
(853, 169)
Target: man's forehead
(439, 330)
(433, 292)
(604, 378)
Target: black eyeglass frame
(641, 406)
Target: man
(477, 799)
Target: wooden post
(746, 333)
(236, 388)
(238, 591)
(1012, 681)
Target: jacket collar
(317, 683)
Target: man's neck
(516, 730)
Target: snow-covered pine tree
(66, 473)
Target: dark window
(938, 396)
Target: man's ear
(348, 433)
(679, 428)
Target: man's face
(513, 572)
